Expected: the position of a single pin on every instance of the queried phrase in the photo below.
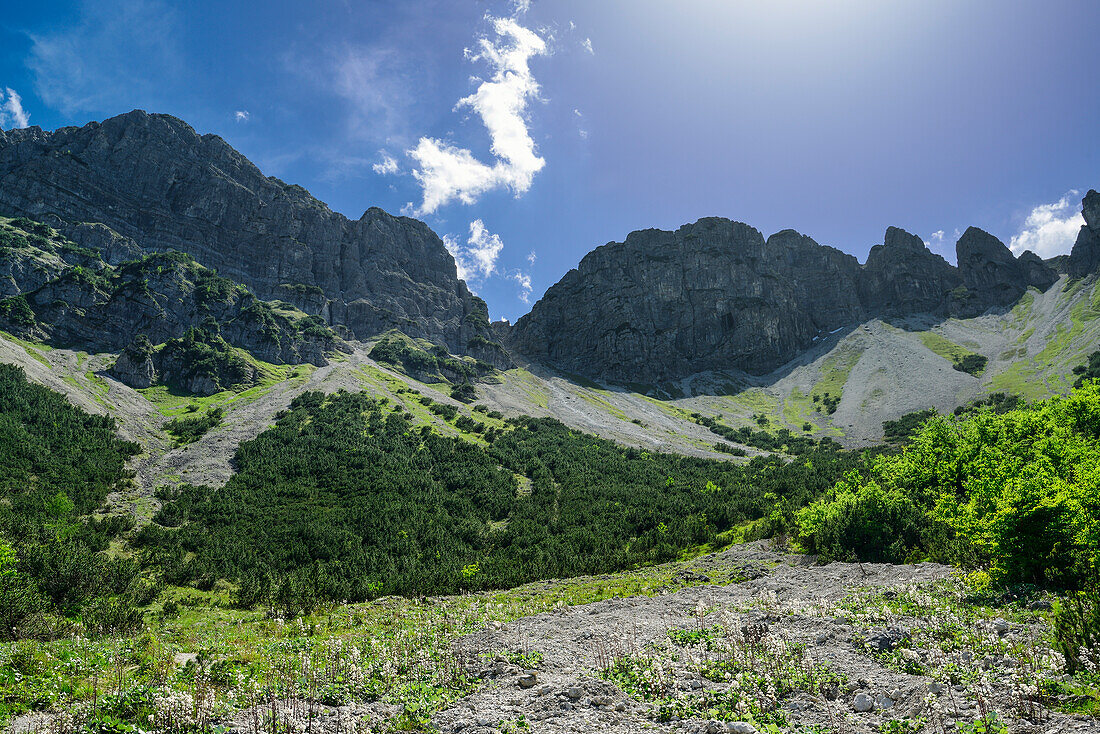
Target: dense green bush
(902, 429)
(1013, 494)
(1076, 622)
(429, 364)
(57, 465)
(1088, 371)
(187, 429)
(17, 311)
(973, 364)
(464, 392)
(202, 353)
(782, 440)
(860, 520)
(345, 498)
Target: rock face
(992, 275)
(135, 365)
(64, 294)
(152, 183)
(712, 294)
(716, 295)
(904, 276)
(1085, 257)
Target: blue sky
(527, 135)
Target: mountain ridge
(715, 294)
(156, 184)
(715, 318)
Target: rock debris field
(794, 647)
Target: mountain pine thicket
(345, 498)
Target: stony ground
(804, 617)
(749, 639)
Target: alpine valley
(264, 468)
(132, 246)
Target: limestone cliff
(716, 295)
(151, 183)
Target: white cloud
(531, 257)
(1050, 229)
(934, 240)
(587, 44)
(241, 115)
(522, 6)
(477, 259)
(12, 114)
(377, 84)
(387, 166)
(446, 172)
(524, 280)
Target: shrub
(17, 311)
(1088, 371)
(1011, 493)
(464, 392)
(187, 430)
(973, 364)
(1076, 621)
(902, 429)
(862, 521)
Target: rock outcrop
(1085, 258)
(904, 276)
(86, 302)
(716, 295)
(135, 366)
(150, 181)
(992, 275)
(711, 295)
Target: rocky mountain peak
(152, 180)
(902, 275)
(716, 295)
(1090, 209)
(898, 239)
(991, 273)
(1085, 257)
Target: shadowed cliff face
(716, 295)
(158, 185)
(1085, 257)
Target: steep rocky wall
(716, 295)
(158, 185)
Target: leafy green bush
(16, 310)
(973, 364)
(431, 365)
(398, 352)
(860, 521)
(201, 353)
(189, 429)
(782, 440)
(902, 429)
(1076, 621)
(1012, 494)
(464, 392)
(1088, 371)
